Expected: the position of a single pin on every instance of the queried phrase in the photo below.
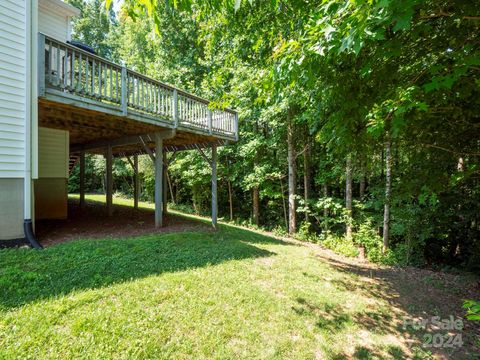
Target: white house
(59, 101)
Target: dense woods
(359, 121)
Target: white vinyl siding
(53, 153)
(13, 49)
(53, 24)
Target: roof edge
(60, 7)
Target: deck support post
(214, 186)
(158, 180)
(82, 179)
(136, 187)
(109, 180)
(164, 182)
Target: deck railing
(71, 70)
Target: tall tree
(388, 193)
(292, 173)
(349, 196)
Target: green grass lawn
(233, 293)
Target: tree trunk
(171, 189)
(388, 194)
(256, 189)
(348, 197)
(230, 199)
(292, 178)
(283, 203)
(363, 182)
(256, 205)
(307, 181)
(164, 183)
(325, 210)
(460, 164)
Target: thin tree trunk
(255, 189)
(171, 189)
(283, 203)
(325, 210)
(307, 181)
(460, 164)
(363, 182)
(348, 196)
(292, 178)
(165, 183)
(256, 205)
(383, 161)
(388, 194)
(230, 199)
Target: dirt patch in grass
(92, 222)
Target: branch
(449, 150)
(445, 14)
(297, 154)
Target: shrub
(368, 237)
(305, 232)
(340, 245)
(280, 231)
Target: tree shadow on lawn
(336, 318)
(411, 295)
(27, 275)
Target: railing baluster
(50, 60)
(209, 121)
(147, 101)
(80, 82)
(116, 85)
(175, 107)
(132, 82)
(124, 91)
(151, 97)
(93, 77)
(57, 78)
(72, 71)
(236, 126)
(147, 96)
(154, 98)
(163, 104)
(140, 84)
(143, 94)
(65, 69)
(87, 84)
(99, 94)
(111, 84)
(105, 81)
(138, 92)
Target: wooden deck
(92, 130)
(101, 103)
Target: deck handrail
(80, 73)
